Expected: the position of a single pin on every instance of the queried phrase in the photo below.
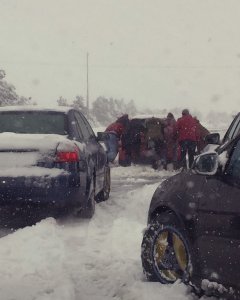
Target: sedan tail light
(67, 153)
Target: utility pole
(87, 88)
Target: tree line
(105, 110)
(8, 95)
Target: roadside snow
(88, 260)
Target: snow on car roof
(64, 109)
(148, 116)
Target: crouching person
(111, 143)
(115, 131)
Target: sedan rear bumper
(57, 191)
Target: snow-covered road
(88, 260)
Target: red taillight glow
(63, 156)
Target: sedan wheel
(89, 210)
(103, 195)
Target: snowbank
(88, 260)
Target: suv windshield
(33, 122)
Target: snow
(223, 158)
(73, 259)
(20, 141)
(144, 116)
(54, 108)
(207, 285)
(20, 153)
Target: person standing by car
(202, 133)
(187, 132)
(170, 136)
(125, 157)
(115, 132)
(137, 136)
(155, 136)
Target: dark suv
(193, 231)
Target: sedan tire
(103, 195)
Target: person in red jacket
(187, 132)
(115, 132)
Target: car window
(82, 126)
(33, 122)
(77, 130)
(237, 130)
(89, 128)
(232, 132)
(233, 169)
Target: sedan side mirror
(213, 138)
(206, 164)
(102, 136)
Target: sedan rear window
(33, 122)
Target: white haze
(159, 53)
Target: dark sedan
(51, 158)
(193, 231)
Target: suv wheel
(165, 251)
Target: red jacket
(116, 128)
(187, 129)
(170, 130)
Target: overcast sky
(160, 53)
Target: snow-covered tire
(103, 195)
(166, 255)
(89, 210)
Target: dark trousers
(187, 147)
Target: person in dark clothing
(155, 136)
(202, 133)
(170, 136)
(187, 132)
(124, 158)
(136, 133)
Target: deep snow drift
(88, 260)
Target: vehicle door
(102, 156)
(76, 134)
(233, 129)
(93, 149)
(209, 226)
(229, 219)
(219, 212)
